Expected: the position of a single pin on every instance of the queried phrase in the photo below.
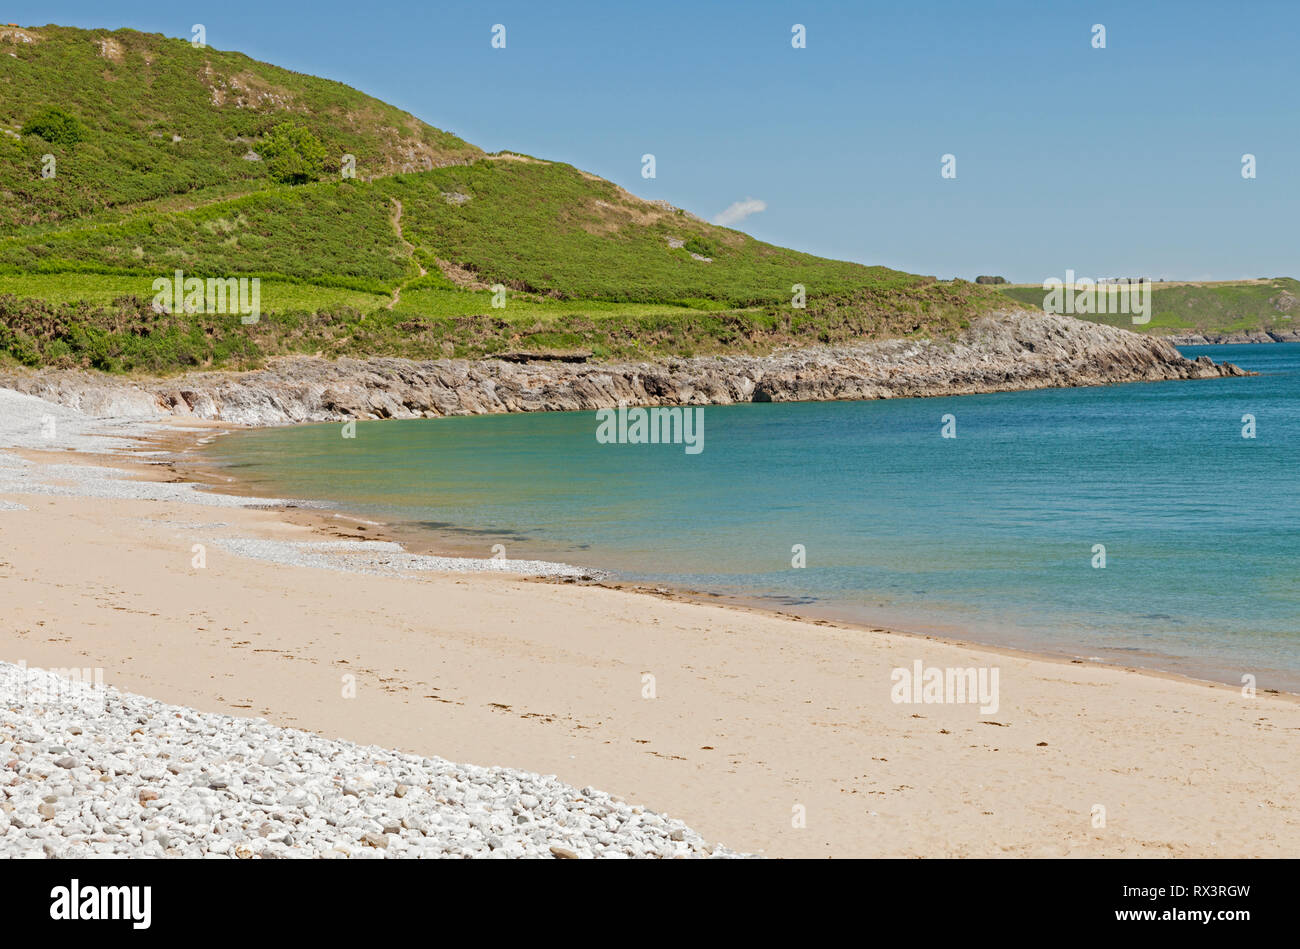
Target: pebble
(156, 780)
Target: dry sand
(756, 718)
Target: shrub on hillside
(55, 126)
(293, 155)
(698, 245)
(125, 336)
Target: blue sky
(1116, 161)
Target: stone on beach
(209, 785)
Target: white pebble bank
(88, 771)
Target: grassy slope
(1204, 307)
(588, 265)
(135, 92)
(548, 227)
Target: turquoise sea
(989, 536)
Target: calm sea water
(988, 536)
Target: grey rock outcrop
(1217, 339)
(1009, 351)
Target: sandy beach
(769, 735)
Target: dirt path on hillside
(397, 229)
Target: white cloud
(739, 211)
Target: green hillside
(167, 157)
(1204, 307)
(162, 118)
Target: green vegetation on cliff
(163, 118)
(1270, 305)
(165, 158)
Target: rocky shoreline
(1004, 352)
(1218, 339)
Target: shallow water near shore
(990, 536)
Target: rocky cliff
(1214, 339)
(1008, 351)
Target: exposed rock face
(1018, 350)
(1215, 339)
